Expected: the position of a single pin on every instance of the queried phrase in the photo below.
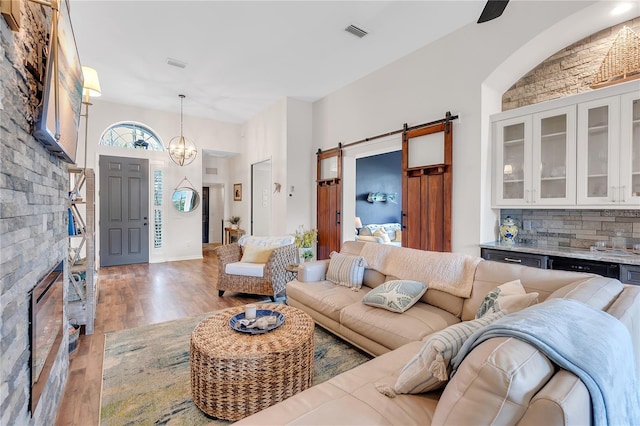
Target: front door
(124, 210)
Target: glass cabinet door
(598, 152)
(629, 191)
(554, 161)
(513, 153)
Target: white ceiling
(243, 56)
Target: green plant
(234, 220)
(307, 255)
(305, 239)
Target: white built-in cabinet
(535, 159)
(581, 151)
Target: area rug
(146, 376)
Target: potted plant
(234, 221)
(305, 240)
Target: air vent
(358, 32)
(176, 63)
(211, 170)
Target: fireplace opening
(46, 329)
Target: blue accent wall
(379, 173)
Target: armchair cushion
(245, 269)
(256, 254)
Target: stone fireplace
(47, 329)
(33, 232)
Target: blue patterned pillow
(395, 295)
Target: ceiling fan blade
(492, 10)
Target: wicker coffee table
(234, 375)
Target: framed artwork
(237, 192)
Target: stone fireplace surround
(33, 187)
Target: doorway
(124, 210)
(261, 198)
(213, 213)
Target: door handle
(337, 218)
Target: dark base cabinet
(505, 256)
(630, 274)
(606, 269)
(627, 274)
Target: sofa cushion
(392, 330)
(496, 381)
(429, 369)
(443, 300)
(346, 270)
(509, 297)
(373, 278)
(598, 292)
(323, 296)
(245, 268)
(396, 295)
(256, 254)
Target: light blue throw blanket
(586, 341)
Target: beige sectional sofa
(502, 381)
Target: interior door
(124, 210)
(329, 202)
(426, 189)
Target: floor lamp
(91, 87)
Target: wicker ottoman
(234, 375)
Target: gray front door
(124, 210)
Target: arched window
(131, 135)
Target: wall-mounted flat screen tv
(59, 133)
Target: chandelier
(181, 150)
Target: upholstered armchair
(255, 265)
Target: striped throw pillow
(346, 270)
(429, 369)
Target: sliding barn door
(426, 187)
(329, 202)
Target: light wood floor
(131, 296)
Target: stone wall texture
(568, 72)
(33, 230)
(575, 228)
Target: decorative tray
(239, 323)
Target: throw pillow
(382, 234)
(509, 297)
(256, 254)
(346, 270)
(395, 295)
(429, 369)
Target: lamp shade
(358, 223)
(91, 86)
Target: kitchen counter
(625, 258)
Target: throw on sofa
(255, 265)
(383, 233)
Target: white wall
(301, 167)
(448, 75)
(182, 232)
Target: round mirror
(185, 199)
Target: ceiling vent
(358, 32)
(176, 63)
(211, 170)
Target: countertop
(626, 258)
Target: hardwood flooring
(131, 296)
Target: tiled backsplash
(574, 228)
